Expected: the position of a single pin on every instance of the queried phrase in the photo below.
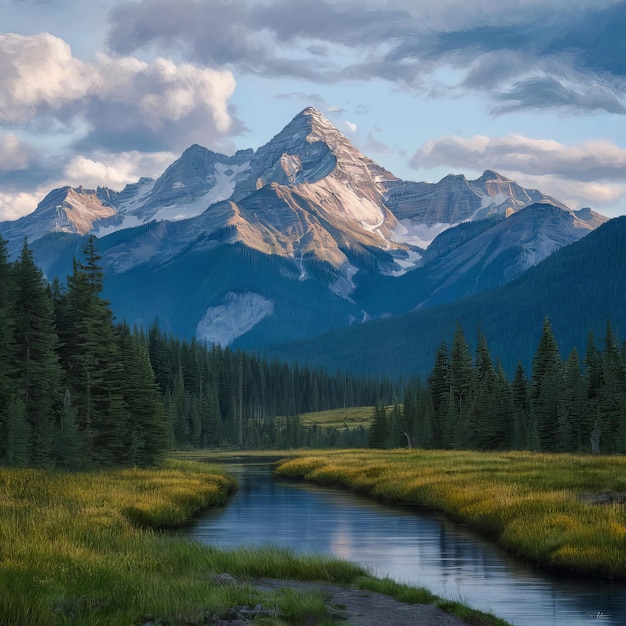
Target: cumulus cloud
(15, 154)
(122, 102)
(594, 171)
(115, 170)
(124, 116)
(38, 74)
(597, 160)
(15, 205)
(526, 54)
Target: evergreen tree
(7, 345)
(146, 436)
(462, 379)
(547, 378)
(95, 373)
(484, 419)
(611, 393)
(571, 407)
(37, 370)
(439, 387)
(379, 430)
(16, 435)
(524, 434)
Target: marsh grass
(88, 549)
(350, 417)
(534, 504)
(418, 595)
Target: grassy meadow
(88, 548)
(351, 417)
(560, 510)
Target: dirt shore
(355, 607)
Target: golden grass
(88, 549)
(534, 504)
(350, 417)
(83, 549)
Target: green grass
(536, 505)
(88, 549)
(352, 417)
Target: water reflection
(422, 549)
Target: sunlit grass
(536, 505)
(350, 417)
(88, 549)
(85, 549)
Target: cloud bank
(593, 171)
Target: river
(410, 545)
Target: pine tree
(524, 435)
(379, 430)
(95, 374)
(484, 418)
(610, 394)
(547, 378)
(146, 435)
(439, 387)
(571, 407)
(37, 368)
(463, 383)
(16, 435)
(7, 345)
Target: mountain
(301, 236)
(580, 288)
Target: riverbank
(559, 510)
(87, 549)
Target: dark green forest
(468, 403)
(78, 390)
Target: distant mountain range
(303, 236)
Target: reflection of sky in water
(423, 549)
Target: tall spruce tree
(573, 431)
(379, 430)
(547, 378)
(37, 369)
(7, 344)
(484, 425)
(462, 379)
(95, 374)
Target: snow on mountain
(239, 313)
(505, 251)
(307, 195)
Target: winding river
(411, 546)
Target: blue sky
(103, 92)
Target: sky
(104, 92)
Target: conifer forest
(79, 389)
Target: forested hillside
(577, 404)
(580, 287)
(78, 390)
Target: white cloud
(352, 127)
(591, 161)
(593, 172)
(14, 205)
(14, 153)
(38, 72)
(115, 170)
(114, 96)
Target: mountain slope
(580, 288)
(300, 236)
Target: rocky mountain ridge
(324, 220)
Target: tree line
(468, 402)
(78, 390)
